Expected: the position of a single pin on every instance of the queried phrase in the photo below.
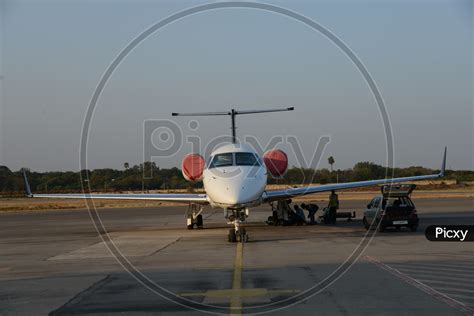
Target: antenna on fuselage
(232, 113)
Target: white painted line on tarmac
(470, 284)
(435, 276)
(434, 271)
(438, 269)
(449, 289)
(464, 297)
(455, 289)
(423, 287)
(468, 266)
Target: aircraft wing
(171, 197)
(274, 195)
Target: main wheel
(381, 228)
(232, 237)
(199, 221)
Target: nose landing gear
(237, 218)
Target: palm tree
(331, 161)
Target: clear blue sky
(54, 52)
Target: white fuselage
(232, 180)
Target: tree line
(148, 176)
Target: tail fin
(27, 185)
(443, 165)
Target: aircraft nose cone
(234, 190)
(236, 194)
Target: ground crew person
(299, 218)
(273, 219)
(284, 209)
(312, 209)
(333, 206)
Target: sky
(53, 54)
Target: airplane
(234, 179)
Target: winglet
(27, 185)
(443, 165)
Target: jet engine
(276, 162)
(192, 167)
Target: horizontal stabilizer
(233, 112)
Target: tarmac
(144, 261)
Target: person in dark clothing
(299, 216)
(312, 209)
(291, 218)
(284, 211)
(273, 219)
(333, 206)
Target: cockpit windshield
(222, 160)
(241, 159)
(246, 159)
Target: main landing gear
(194, 216)
(237, 218)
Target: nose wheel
(239, 236)
(232, 237)
(242, 235)
(238, 233)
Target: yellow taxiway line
(235, 299)
(236, 293)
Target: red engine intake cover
(192, 167)
(276, 162)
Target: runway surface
(56, 263)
